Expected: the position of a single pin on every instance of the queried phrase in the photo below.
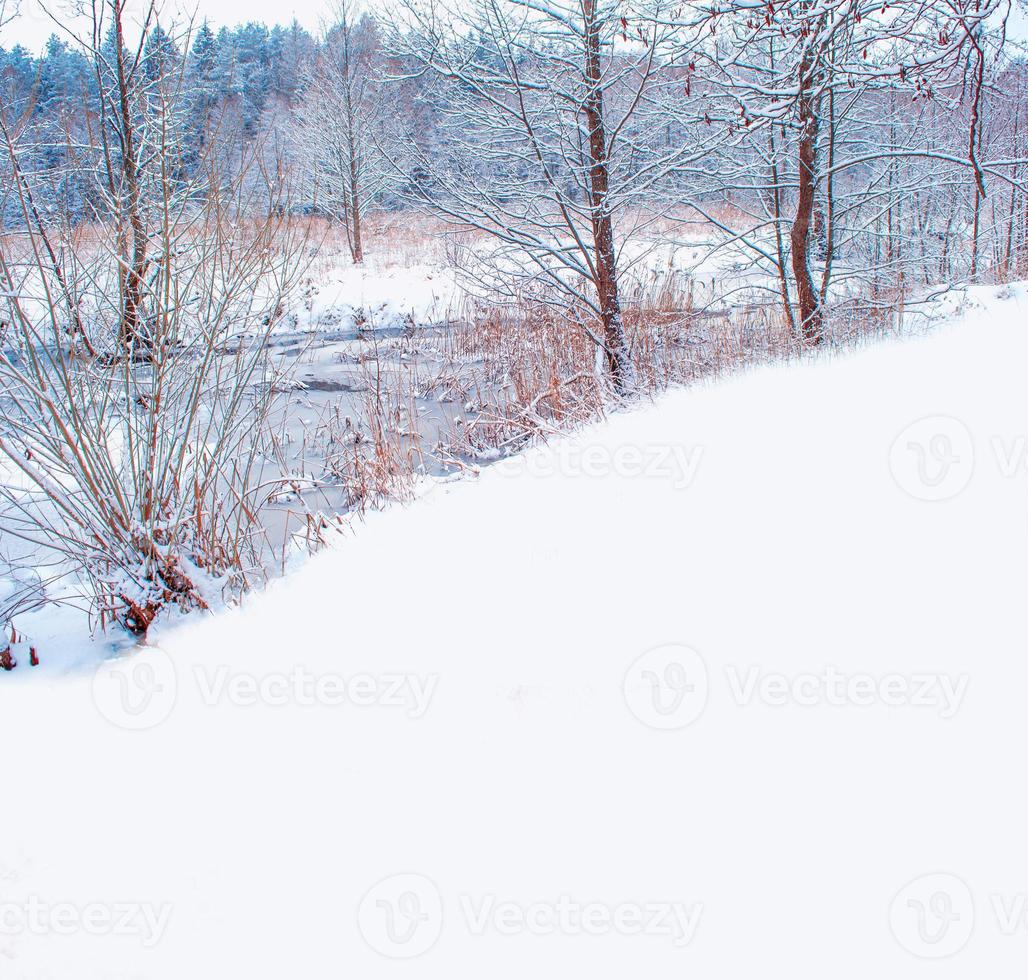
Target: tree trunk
(811, 315)
(776, 204)
(828, 210)
(133, 271)
(1008, 257)
(356, 247)
(1023, 258)
(615, 340)
(975, 225)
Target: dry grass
(512, 375)
(530, 372)
(392, 239)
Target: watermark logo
(933, 458)
(136, 693)
(933, 916)
(36, 917)
(674, 921)
(302, 688)
(675, 465)
(669, 688)
(666, 688)
(140, 693)
(402, 916)
(944, 693)
(1011, 913)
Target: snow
(388, 291)
(375, 295)
(729, 680)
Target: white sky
(32, 26)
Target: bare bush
(135, 392)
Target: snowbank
(729, 684)
(376, 295)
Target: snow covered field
(413, 282)
(728, 685)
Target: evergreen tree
(17, 79)
(252, 56)
(225, 74)
(202, 89)
(160, 55)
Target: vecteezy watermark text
(936, 916)
(677, 465)
(836, 688)
(138, 694)
(676, 921)
(936, 458)
(669, 688)
(304, 688)
(35, 917)
(402, 917)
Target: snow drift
(727, 682)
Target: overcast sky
(32, 27)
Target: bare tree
(553, 126)
(139, 478)
(339, 124)
(815, 77)
(123, 135)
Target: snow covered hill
(729, 685)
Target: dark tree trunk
(615, 340)
(811, 314)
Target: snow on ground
(389, 290)
(731, 680)
(375, 295)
